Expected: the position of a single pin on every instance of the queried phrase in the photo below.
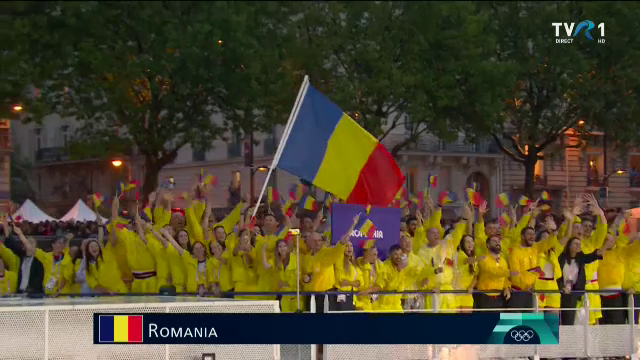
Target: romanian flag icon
(120, 329)
(272, 195)
(210, 180)
(433, 181)
(287, 208)
(503, 200)
(545, 196)
(524, 201)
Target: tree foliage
(553, 87)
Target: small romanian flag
(309, 203)
(545, 196)
(368, 229)
(524, 201)
(503, 200)
(446, 197)
(126, 187)
(97, 199)
(433, 181)
(272, 195)
(368, 244)
(210, 180)
(287, 207)
(120, 329)
(474, 197)
(504, 219)
(368, 210)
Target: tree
(140, 75)
(553, 87)
(21, 189)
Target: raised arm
(140, 229)
(27, 244)
(172, 241)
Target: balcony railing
(52, 154)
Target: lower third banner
(333, 328)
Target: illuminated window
(595, 169)
(539, 172)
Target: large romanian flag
(329, 149)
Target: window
(270, 145)
(38, 139)
(539, 173)
(595, 169)
(411, 180)
(407, 123)
(234, 149)
(64, 135)
(198, 153)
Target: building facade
(59, 180)
(5, 165)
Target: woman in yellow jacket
(283, 268)
(550, 273)
(371, 269)
(466, 269)
(195, 264)
(220, 268)
(632, 272)
(103, 274)
(243, 272)
(348, 279)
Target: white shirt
(570, 271)
(25, 272)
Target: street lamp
(253, 173)
(116, 163)
(17, 108)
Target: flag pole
(285, 136)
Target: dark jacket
(582, 259)
(36, 276)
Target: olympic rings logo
(522, 335)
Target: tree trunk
(530, 174)
(150, 184)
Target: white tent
(30, 212)
(80, 212)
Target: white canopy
(80, 212)
(30, 212)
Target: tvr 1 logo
(572, 31)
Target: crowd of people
(80, 229)
(473, 263)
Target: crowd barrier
(62, 328)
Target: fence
(63, 329)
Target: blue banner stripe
(106, 328)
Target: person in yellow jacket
(492, 281)
(550, 272)
(466, 269)
(348, 279)
(510, 236)
(414, 265)
(393, 277)
(371, 268)
(318, 264)
(438, 271)
(632, 272)
(524, 266)
(220, 268)
(592, 240)
(197, 280)
(57, 263)
(243, 271)
(282, 268)
(8, 280)
(101, 267)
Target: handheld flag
(503, 200)
(272, 195)
(309, 203)
(524, 201)
(210, 180)
(474, 197)
(504, 219)
(433, 181)
(368, 229)
(446, 197)
(329, 149)
(368, 244)
(97, 199)
(545, 196)
(368, 211)
(287, 208)
(252, 222)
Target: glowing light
(263, 168)
(220, 42)
(116, 163)
(17, 108)
(581, 122)
(620, 171)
